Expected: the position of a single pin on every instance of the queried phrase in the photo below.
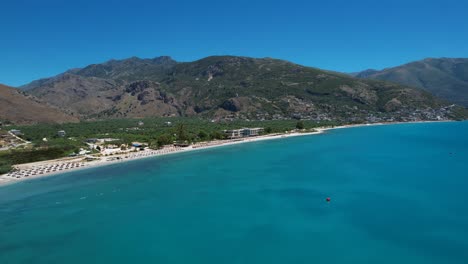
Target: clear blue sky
(44, 38)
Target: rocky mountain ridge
(20, 108)
(229, 87)
(446, 78)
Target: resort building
(91, 158)
(84, 152)
(61, 133)
(243, 132)
(252, 132)
(105, 140)
(91, 140)
(137, 144)
(233, 133)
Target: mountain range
(21, 108)
(446, 78)
(231, 87)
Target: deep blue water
(399, 194)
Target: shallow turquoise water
(399, 195)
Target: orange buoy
(328, 199)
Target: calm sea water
(399, 194)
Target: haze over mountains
(444, 77)
(230, 86)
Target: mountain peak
(446, 78)
(163, 59)
(221, 86)
(364, 74)
(129, 69)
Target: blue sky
(44, 38)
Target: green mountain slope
(232, 87)
(445, 77)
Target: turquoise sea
(399, 194)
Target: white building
(233, 133)
(243, 132)
(252, 132)
(61, 133)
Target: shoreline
(36, 170)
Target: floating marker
(328, 199)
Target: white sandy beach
(40, 169)
(52, 167)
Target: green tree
(216, 135)
(300, 125)
(5, 166)
(268, 130)
(164, 140)
(203, 135)
(181, 132)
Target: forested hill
(443, 77)
(230, 86)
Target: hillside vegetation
(444, 77)
(231, 87)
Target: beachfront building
(243, 132)
(92, 140)
(83, 152)
(99, 143)
(91, 158)
(252, 132)
(61, 133)
(137, 145)
(233, 133)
